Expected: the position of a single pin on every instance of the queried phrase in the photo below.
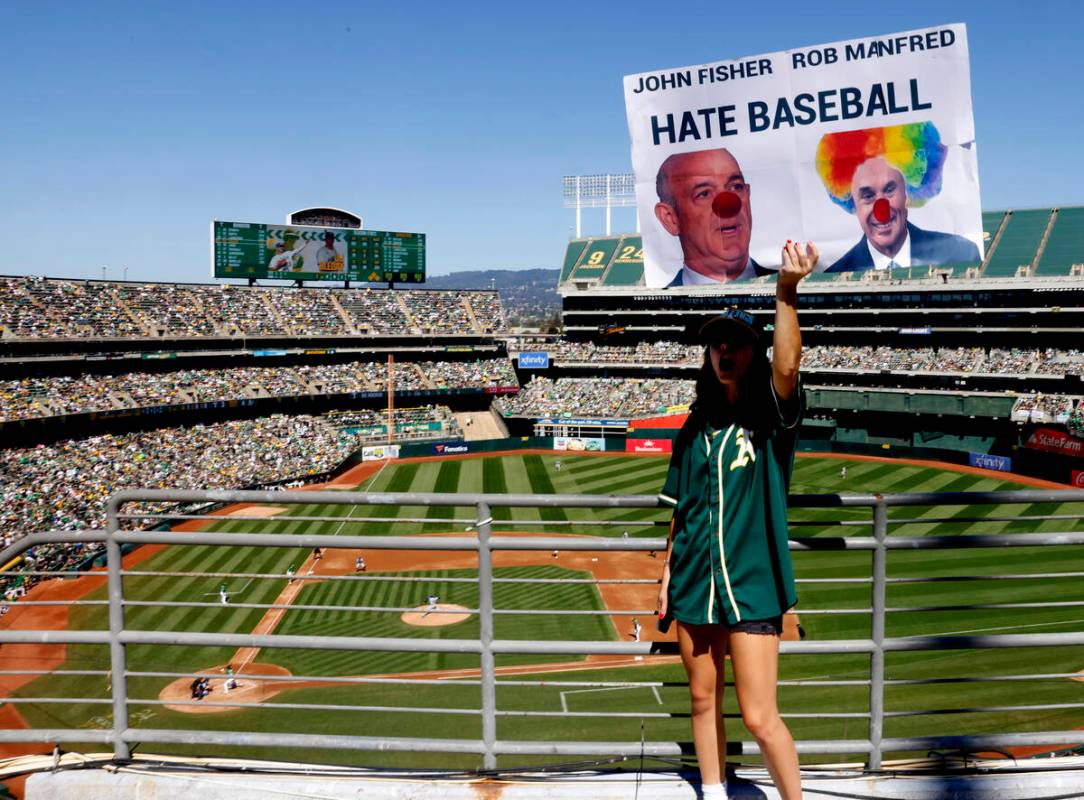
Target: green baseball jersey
(728, 487)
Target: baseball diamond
(401, 581)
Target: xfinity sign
(534, 360)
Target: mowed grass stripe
(409, 595)
(493, 482)
(541, 484)
(519, 482)
(447, 482)
(818, 475)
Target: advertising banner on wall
(866, 147)
(649, 445)
(458, 448)
(1055, 441)
(579, 443)
(380, 452)
(537, 360)
(986, 461)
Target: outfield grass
(612, 475)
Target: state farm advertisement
(649, 445)
(1054, 441)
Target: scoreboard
(298, 252)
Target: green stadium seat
(1065, 246)
(1019, 243)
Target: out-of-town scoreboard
(252, 250)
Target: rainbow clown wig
(914, 149)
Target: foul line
(231, 592)
(350, 513)
(564, 702)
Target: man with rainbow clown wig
(877, 174)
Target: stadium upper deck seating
(49, 308)
(627, 266)
(608, 261)
(572, 256)
(1019, 243)
(1065, 246)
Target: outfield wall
(819, 437)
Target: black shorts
(764, 627)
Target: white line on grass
(1011, 627)
(231, 592)
(353, 507)
(564, 701)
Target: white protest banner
(866, 147)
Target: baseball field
(182, 588)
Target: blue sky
(127, 127)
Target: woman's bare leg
(703, 652)
(755, 661)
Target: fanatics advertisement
(865, 147)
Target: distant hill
(529, 295)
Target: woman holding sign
(727, 578)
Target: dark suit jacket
(927, 247)
(759, 270)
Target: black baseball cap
(731, 323)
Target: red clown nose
(881, 211)
(726, 204)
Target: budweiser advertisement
(648, 446)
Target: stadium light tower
(599, 191)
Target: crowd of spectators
(1045, 408)
(32, 307)
(39, 308)
(65, 485)
(167, 310)
(28, 398)
(1075, 422)
(375, 311)
(486, 373)
(999, 361)
(974, 360)
(596, 397)
(669, 353)
(311, 312)
(422, 422)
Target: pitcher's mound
(445, 614)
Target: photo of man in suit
(877, 174)
(715, 248)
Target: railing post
(118, 662)
(485, 635)
(877, 634)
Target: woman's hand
(664, 592)
(796, 264)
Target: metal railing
(122, 735)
